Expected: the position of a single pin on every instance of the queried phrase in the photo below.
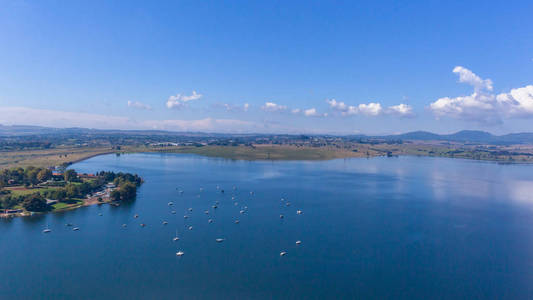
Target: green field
(27, 191)
(48, 157)
(263, 152)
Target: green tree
(72, 191)
(44, 175)
(70, 175)
(34, 202)
(128, 191)
(115, 195)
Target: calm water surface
(397, 228)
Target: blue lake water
(396, 228)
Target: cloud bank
(64, 119)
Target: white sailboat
(47, 230)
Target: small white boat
(143, 225)
(173, 212)
(237, 221)
(124, 225)
(288, 204)
(299, 212)
(176, 238)
(100, 214)
(75, 229)
(206, 212)
(210, 221)
(242, 211)
(214, 207)
(165, 222)
(282, 253)
(281, 216)
(185, 217)
(136, 216)
(220, 240)
(180, 253)
(190, 227)
(170, 203)
(190, 208)
(298, 242)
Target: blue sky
(268, 66)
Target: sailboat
(176, 238)
(47, 230)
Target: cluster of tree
(126, 185)
(118, 178)
(27, 177)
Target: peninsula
(33, 190)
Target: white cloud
(401, 110)
(518, 102)
(273, 107)
(232, 107)
(139, 105)
(467, 76)
(337, 105)
(344, 109)
(482, 105)
(370, 109)
(180, 101)
(312, 112)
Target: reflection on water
(396, 228)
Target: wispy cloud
(273, 107)
(180, 101)
(63, 119)
(482, 105)
(228, 107)
(139, 105)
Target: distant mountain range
(464, 136)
